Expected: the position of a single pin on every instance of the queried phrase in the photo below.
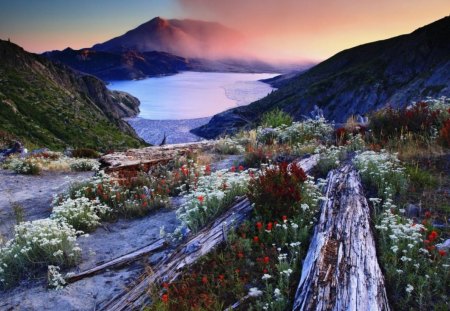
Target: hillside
(393, 72)
(49, 105)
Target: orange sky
(317, 29)
(284, 29)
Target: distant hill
(49, 105)
(126, 65)
(392, 72)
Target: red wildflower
(233, 169)
(221, 277)
(144, 204)
(208, 169)
(240, 255)
(165, 298)
(269, 226)
(427, 214)
(284, 218)
(433, 235)
(426, 241)
(265, 271)
(241, 168)
(259, 225)
(266, 259)
(165, 285)
(255, 239)
(204, 279)
(442, 253)
(200, 198)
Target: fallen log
(144, 158)
(341, 270)
(196, 247)
(118, 262)
(169, 268)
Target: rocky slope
(47, 104)
(393, 72)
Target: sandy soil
(33, 193)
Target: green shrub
(24, 166)
(276, 118)
(85, 153)
(83, 165)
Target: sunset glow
(286, 29)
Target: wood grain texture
(341, 270)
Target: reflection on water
(191, 95)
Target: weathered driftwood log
(119, 262)
(128, 163)
(341, 270)
(169, 268)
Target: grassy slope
(44, 113)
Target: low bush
(35, 245)
(85, 153)
(81, 213)
(276, 118)
(24, 166)
(83, 165)
(277, 190)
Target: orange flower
(433, 235)
(165, 298)
(200, 198)
(259, 225)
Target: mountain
(186, 38)
(50, 105)
(125, 65)
(161, 47)
(392, 72)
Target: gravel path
(33, 193)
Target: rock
(444, 246)
(412, 211)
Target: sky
(289, 29)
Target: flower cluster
(382, 170)
(81, 213)
(23, 166)
(35, 245)
(259, 263)
(329, 157)
(277, 190)
(211, 194)
(54, 278)
(229, 146)
(298, 132)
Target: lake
(191, 95)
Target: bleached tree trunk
(341, 270)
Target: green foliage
(85, 153)
(276, 118)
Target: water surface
(190, 95)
